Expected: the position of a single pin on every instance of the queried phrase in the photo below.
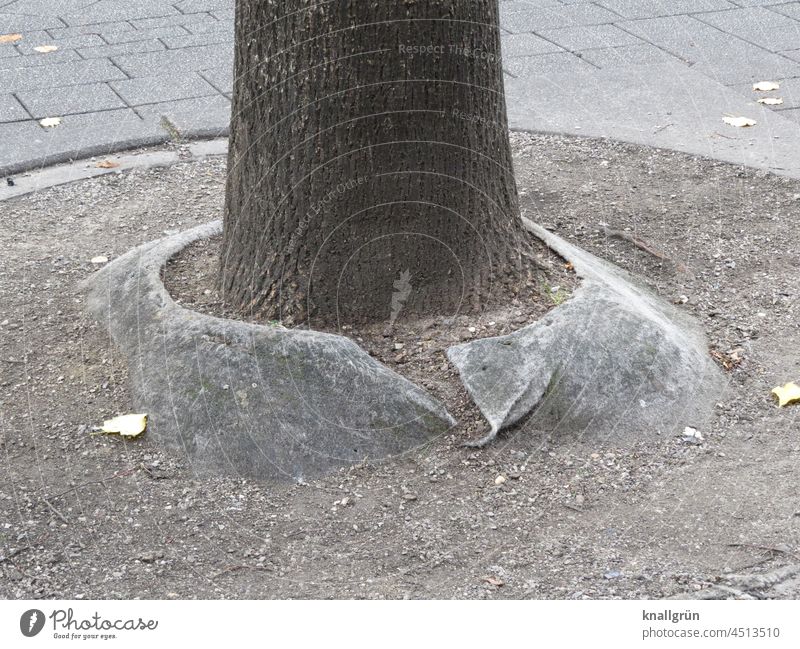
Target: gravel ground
(531, 516)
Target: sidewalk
(130, 73)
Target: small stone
(500, 480)
(100, 259)
(399, 346)
(409, 496)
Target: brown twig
(642, 245)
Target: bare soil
(529, 516)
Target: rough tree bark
(369, 167)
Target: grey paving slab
(46, 7)
(221, 77)
(665, 105)
(545, 65)
(590, 37)
(113, 27)
(790, 9)
(57, 102)
(38, 60)
(152, 90)
(195, 6)
(656, 8)
(11, 110)
(723, 57)
(132, 47)
(539, 18)
(526, 45)
(169, 21)
(7, 51)
(758, 25)
(63, 74)
(223, 14)
(203, 27)
(118, 10)
(792, 114)
(200, 117)
(627, 55)
(37, 39)
(193, 40)
(171, 61)
(77, 136)
(11, 23)
(132, 35)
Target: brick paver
(123, 67)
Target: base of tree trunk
(613, 362)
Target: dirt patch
(529, 516)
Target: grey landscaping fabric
(244, 399)
(614, 362)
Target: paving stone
(590, 37)
(38, 60)
(790, 9)
(544, 65)
(12, 23)
(656, 8)
(792, 114)
(770, 30)
(193, 40)
(169, 21)
(171, 61)
(216, 26)
(200, 117)
(37, 39)
(63, 74)
(132, 35)
(108, 10)
(196, 6)
(113, 27)
(46, 7)
(104, 51)
(56, 102)
(11, 110)
(7, 51)
(645, 54)
(152, 90)
(538, 19)
(78, 136)
(221, 77)
(223, 14)
(526, 45)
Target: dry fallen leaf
(44, 49)
(494, 581)
(766, 86)
(740, 122)
(125, 425)
(50, 122)
(10, 38)
(770, 101)
(787, 394)
(107, 164)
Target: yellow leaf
(787, 394)
(125, 425)
(770, 101)
(50, 122)
(741, 122)
(10, 38)
(44, 49)
(107, 164)
(766, 86)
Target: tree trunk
(370, 172)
